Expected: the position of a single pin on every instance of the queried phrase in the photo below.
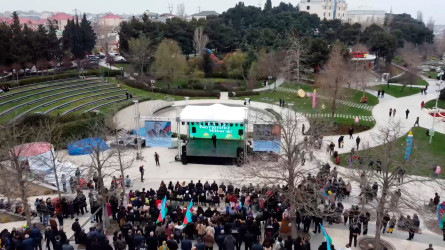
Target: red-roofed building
(110, 20)
(31, 23)
(61, 20)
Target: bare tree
(101, 161)
(430, 24)
(140, 52)
(295, 164)
(105, 46)
(14, 148)
(269, 64)
(419, 16)
(295, 58)
(385, 166)
(200, 40)
(333, 77)
(180, 10)
(412, 60)
(42, 65)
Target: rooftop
(112, 16)
(207, 13)
(61, 16)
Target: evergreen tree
(88, 35)
(268, 6)
(16, 39)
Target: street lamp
(438, 84)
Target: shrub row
(47, 78)
(177, 92)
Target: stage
(204, 148)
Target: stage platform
(204, 148)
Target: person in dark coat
(76, 229)
(354, 231)
(152, 241)
(36, 236)
(138, 239)
(351, 132)
(186, 244)
(357, 141)
(340, 140)
(49, 236)
(249, 238)
(172, 244)
(220, 239)
(229, 242)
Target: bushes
(47, 78)
(177, 92)
(243, 93)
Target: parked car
(119, 59)
(93, 58)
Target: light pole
(438, 84)
(270, 79)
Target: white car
(119, 59)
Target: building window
(324, 13)
(329, 14)
(308, 1)
(308, 7)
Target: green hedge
(243, 93)
(47, 78)
(176, 92)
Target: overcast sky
(430, 8)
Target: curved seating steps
(104, 104)
(45, 97)
(48, 86)
(92, 102)
(45, 82)
(73, 101)
(50, 90)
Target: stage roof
(215, 113)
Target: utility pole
(170, 8)
(199, 9)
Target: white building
(204, 14)
(366, 17)
(325, 9)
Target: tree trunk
(122, 172)
(6, 189)
(24, 196)
(380, 210)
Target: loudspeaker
(193, 129)
(240, 132)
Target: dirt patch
(367, 243)
(5, 218)
(32, 189)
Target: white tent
(215, 113)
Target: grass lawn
(420, 81)
(126, 66)
(396, 91)
(430, 74)
(432, 104)
(426, 155)
(355, 96)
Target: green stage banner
(224, 131)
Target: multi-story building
(110, 20)
(366, 17)
(204, 14)
(325, 9)
(60, 20)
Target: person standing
(383, 93)
(386, 218)
(390, 112)
(393, 112)
(64, 183)
(214, 140)
(354, 231)
(141, 169)
(357, 141)
(351, 131)
(422, 105)
(157, 159)
(407, 113)
(331, 148)
(378, 93)
(340, 140)
(208, 241)
(36, 236)
(76, 229)
(417, 122)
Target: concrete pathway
(272, 85)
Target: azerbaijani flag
(328, 239)
(163, 211)
(441, 215)
(323, 191)
(188, 214)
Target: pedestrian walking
(378, 93)
(422, 105)
(126, 94)
(390, 112)
(407, 113)
(64, 183)
(351, 131)
(141, 169)
(383, 93)
(280, 102)
(393, 112)
(417, 122)
(357, 141)
(331, 148)
(386, 218)
(157, 159)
